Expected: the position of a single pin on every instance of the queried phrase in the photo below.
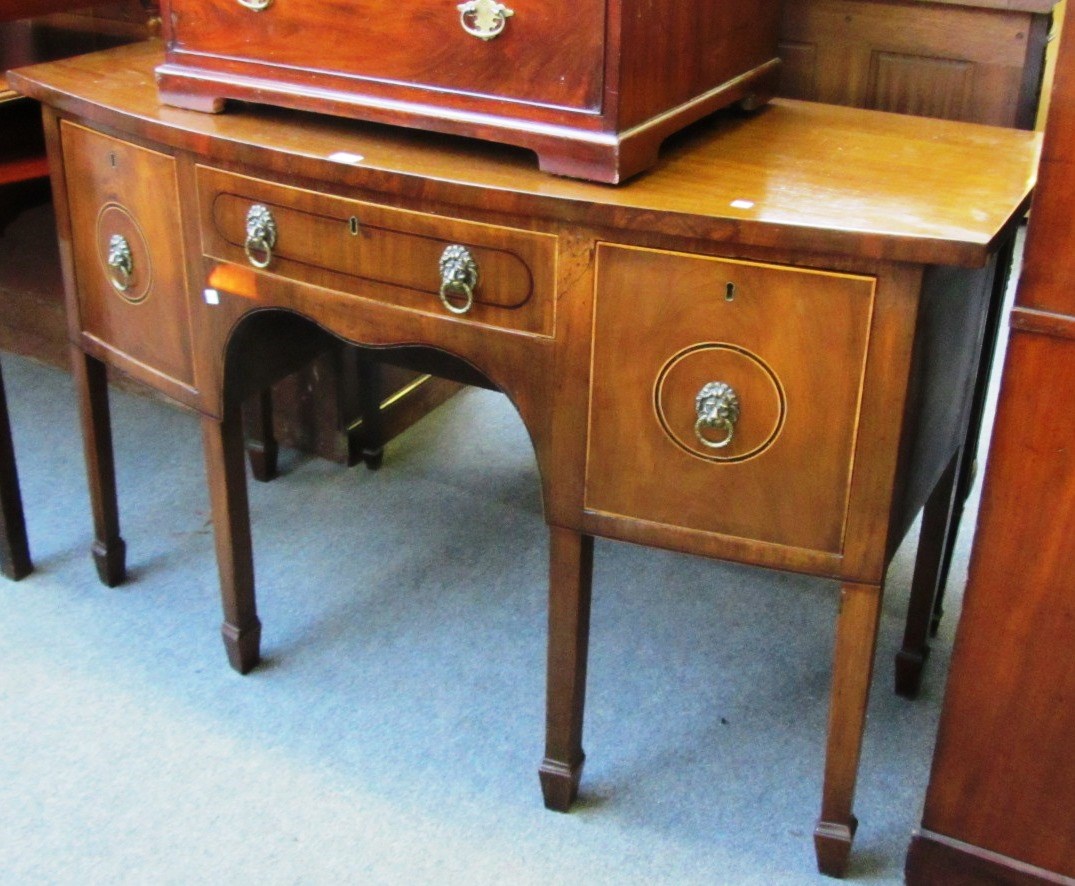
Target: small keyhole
(729, 292)
(353, 225)
(112, 160)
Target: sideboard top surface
(793, 175)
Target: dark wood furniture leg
(570, 582)
(91, 384)
(939, 523)
(359, 390)
(261, 447)
(15, 560)
(226, 471)
(856, 639)
(365, 374)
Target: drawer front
(725, 395)
(128, 254)
(546, 53)
(390, 255)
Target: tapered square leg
(930, 568)
(91, 386)
(832, 843)
(570, 582)
(14, 548)
(365, 377)
(856, 640)
(226, 472)
(261, 446)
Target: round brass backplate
(115, 219)
(763, 404)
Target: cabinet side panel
(948, 348)
(1002, 776)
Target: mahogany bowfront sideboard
(763, 349)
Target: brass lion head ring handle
(484, 19)
(458, 276)
(717, 407)
(120, 263)
(260, 236)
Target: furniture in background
(1002, 789)
(805, 381)
(974, 60)
(42, 30)
(15, 560)
(22, 159)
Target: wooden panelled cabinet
(974, 60)
(705, 360)
(593, 86)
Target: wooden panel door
(131, 278)
(957, 62)
(789, 343)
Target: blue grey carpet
(393, 733)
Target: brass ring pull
(120, 263)
(717, 407)
(468, 301)
(483, 19)
(255, 5)
(458, 274)
(260, 236)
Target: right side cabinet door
(725, 395)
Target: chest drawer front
(725, 395)
(390, 255)
(128, 254)
(546, 53)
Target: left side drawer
(130, 278)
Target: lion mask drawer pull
(717, 406)
(260, 236)
(120, 263)
(458, 276)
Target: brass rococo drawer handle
(458, 276)
(255, 5)
(120, 263)
(260, 236)
(483, 19)
(717, 406)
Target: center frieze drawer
(725, 395)
(473, 272)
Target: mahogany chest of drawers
(593, 86)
